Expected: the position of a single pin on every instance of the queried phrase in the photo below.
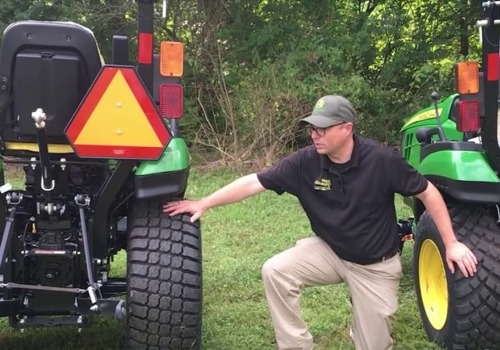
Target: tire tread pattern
(164, 271)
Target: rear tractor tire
(164, 295)
(460, 313)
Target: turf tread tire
(164, 296)
(473, 321)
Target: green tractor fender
(461, 170)
(166, 177)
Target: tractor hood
(424, 116)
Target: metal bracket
(13, 198)
(82, 200)
(52, 185)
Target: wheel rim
(433, 284)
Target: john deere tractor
(101, 153)
(455, 144)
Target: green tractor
(101, 153)
(454, 143)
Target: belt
(374, 261)
(388, 256)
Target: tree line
(254, 67)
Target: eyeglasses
(320, 131)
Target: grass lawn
(237, 240)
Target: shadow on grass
(102, 334)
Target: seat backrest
(48, 65)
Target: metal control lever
(47, 181)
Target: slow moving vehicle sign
(117, 119)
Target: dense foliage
(253, 67)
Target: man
(346, 185)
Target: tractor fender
(461, 170)
(165, 177)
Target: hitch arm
(13, 199)
(83, 201)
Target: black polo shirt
(350, 205)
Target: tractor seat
(48, 65)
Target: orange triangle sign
(118, 119)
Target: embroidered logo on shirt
(323, 185)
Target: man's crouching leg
(311, 262)
(374, 291)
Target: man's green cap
(330, 110)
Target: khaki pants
(373, 289)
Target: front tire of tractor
(164, 295)
(460, 313)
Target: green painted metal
(174, 158)
(459, 165)
(410, 147)
(470, 166)
(427, 115)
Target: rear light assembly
(171, 69)
(468, 116)
(468, 85)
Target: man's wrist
(450, 241)
(205, 203)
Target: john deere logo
(319, 105)
(322, 185)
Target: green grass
(237, 240)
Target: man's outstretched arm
(236, 191)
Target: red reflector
(171, 101)
(145, 48)
(468, 116)
(492, 71)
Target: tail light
(171, 68)
(171, 97)
(468, 116)
(492, 70)
(145, 48)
